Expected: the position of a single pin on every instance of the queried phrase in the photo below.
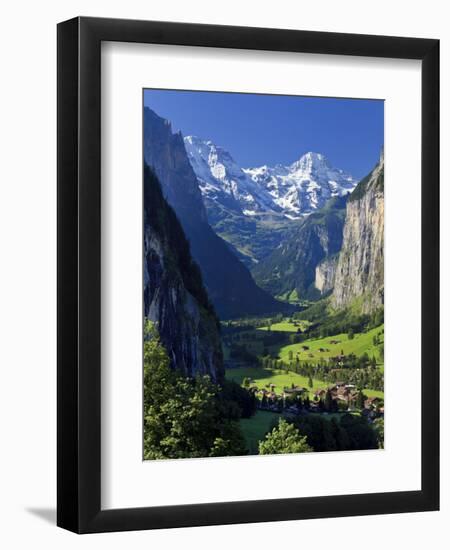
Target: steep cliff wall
(359, 279)
(325, 274)
(174, 296)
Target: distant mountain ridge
(304, 231)
(337, 251)
(293, 190)
(303, 186)
(254, 209)
(222, 179)
(230, 285)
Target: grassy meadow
(279, 340)
(255, 428)
(288, 326)
(262, 378)
(361, 343)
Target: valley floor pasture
(281, 358)
(256, 427)
(324, 348)
(279, 379)
(287, 326)
(309, 350)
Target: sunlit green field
(255, 428)
(373, 393)
(263, 377)
(286, 326)
(361, 343)
(293, 298)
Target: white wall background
(28, 268)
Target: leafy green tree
(232, 395)
(285, 438)
(361, 435)
(350, 334)
(310, 381)
(318, 432)
(328, 401)
(183, 417)
(340, 435)
(378, 426)
(361, 398)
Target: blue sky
(270, 129)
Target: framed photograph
(247, 330)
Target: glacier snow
(294, 190)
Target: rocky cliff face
(359, 279)
(325, 274)
(229, 283)
(174, 296)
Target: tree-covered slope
(292, 265)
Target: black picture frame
(79, 280)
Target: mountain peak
(195, 140)
(311, 155)
(222, 179)
(293, 190)
(311, 161)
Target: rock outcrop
(359, 279)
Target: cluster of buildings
(345, 396)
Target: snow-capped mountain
(222, 180)
(305, 185)
(293, 190)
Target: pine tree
(328, 401)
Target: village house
(372, 403)
(339, 392)
(320, 393)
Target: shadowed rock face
(229, 283)
(174, 296)
(360, 270)
(325, 274)
(293, 264)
